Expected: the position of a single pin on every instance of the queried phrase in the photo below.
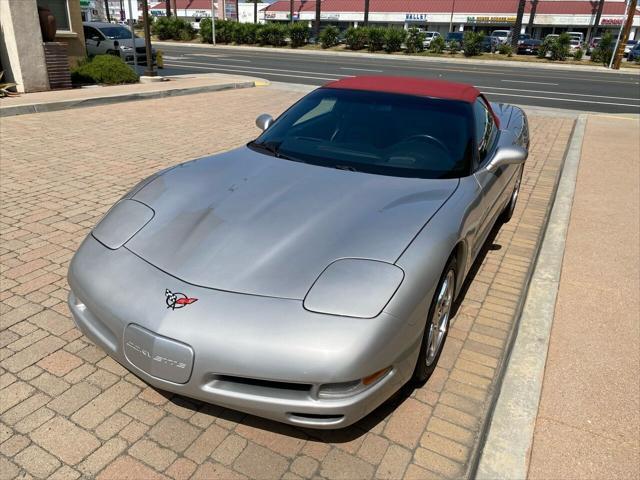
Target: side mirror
(511, 155)
(264, 121)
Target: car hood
(250, 223)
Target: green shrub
(245, 33)
(105, 69)
(273, 34)
(375, 38)
(299, 33)
(559, 47)
(356, 38)
(472, 43)
(545, 47)
(437, 45)
(603, 52)
(206, 32)
(393, 39)
(329, 36)
(578, 54)
(415, 40)
(225, 31)
(172, 28)
(453, 47)
(505, 49)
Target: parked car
(579, 36)
(489, 43)
(530, 46)
(454, 37)
(521, 38)
(307, 275)
(428, 38)
(628, 46)
(501, 35)
(574, 45)
(634, 53)
(551, 36)
(593, 44)
(108, 38)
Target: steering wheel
(428, 138)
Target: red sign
(611, 21)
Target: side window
(486, 130)
(90, 32)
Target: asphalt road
(566, 89)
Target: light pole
(133, 38)
(149, 71)
(453, 7)
(213, 23)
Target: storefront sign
(611, 21)
(415, 17)
(491, 19)
(329, 16)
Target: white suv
(113, 39)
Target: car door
(94, 41)
(491, 184)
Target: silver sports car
(308, 275)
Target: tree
(625, 34)
(316, 26)
(237, 12)
(532, 14)
(255, 11)
(515, 33)
(366, 13)
(596, 22)
(175, 7)
(106, 7)
(291, 8)
(167, 8)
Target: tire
(507, 213)
(431, 347)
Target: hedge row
(275, 34)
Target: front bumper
(263, 356)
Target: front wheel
(507, 213)
(437, 326)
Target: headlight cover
(122, 222)
(354, 287)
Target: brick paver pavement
(67, 410)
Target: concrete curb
(119, 98)
(409, 58)
(507, 446)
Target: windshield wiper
(272, 149)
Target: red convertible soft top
(410, 86)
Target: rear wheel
(437, 327)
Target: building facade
(549, 16)
(194, 10)
(25, 58)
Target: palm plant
(4, 88)
(515, 33)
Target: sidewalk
(103, 95)
(588, 420)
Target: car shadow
(343, 435)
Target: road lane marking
(436, 67)
(523, 81)
(265, 70)
(558, 93)
(245, 72)
(513, 95)
(219, 57)
(361, 69)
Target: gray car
(103, 38)
(310, 274)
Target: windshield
(116, 33)
(374, 132)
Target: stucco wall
(21, 49)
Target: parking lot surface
(67, 410)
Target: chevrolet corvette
(310, 274)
